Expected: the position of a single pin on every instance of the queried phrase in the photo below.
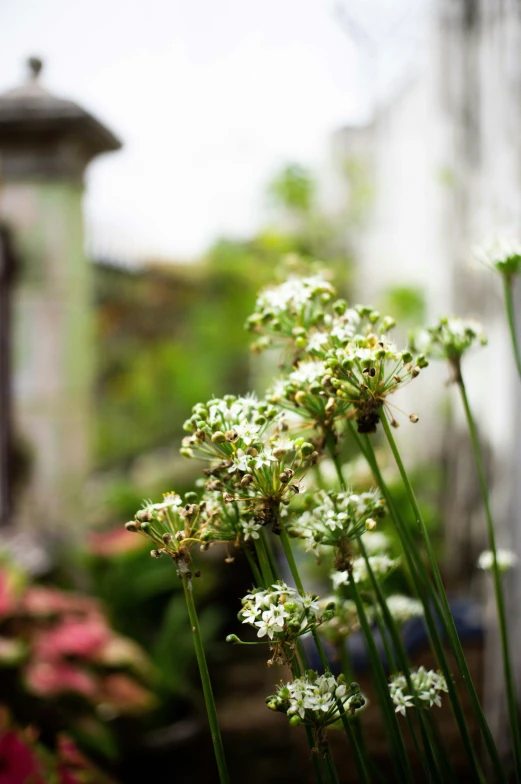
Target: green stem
(267, 575)
(331, 445)
(396, 647)
(509, 306)
(206, 683)
(498, 588)
(399, 754)
(427, 594)
(330, 767)
(288, 552)
(253, 566)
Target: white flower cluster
(450, 338)
(344, 621)
(427, 686)
(280, 612)
(221, 426)
(403, 608)
(506, 559)
(293, 295)
(502, 254)
(381, 566)
(315, 698)
(334, 517)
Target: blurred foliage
(407, 304)
(171, 335)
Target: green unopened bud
(300, 342)
(233, 639)
(307, 449)
(295, 720)
(300, 397)
(146, 527)
(186, 452)
(340, 306)
(406, 357)
(218, 437)
(373, 316)
(388, 323)
(189, 426)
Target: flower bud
(246, 480)
(370, 524)
(131, 527)
(233, 639)
(307, 449)
(218, 437)
(280, 453)
(300, 397)
(295, 720)
(414, 418)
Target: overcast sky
(210, 98)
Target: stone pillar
(46, 144)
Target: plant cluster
(262, 492)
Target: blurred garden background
(159, 164)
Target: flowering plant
(262, 491)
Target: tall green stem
(206, 683)
(427, 594)
(357, 752)
(498, 588)
(509, 306)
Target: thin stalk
(426, 593)
(206, 683)
(509, 307)
(297, 672)
(267, 575)
(329, 765)
(396, 638)
(359, 760)
(257, 577)
(399, 753)
(498, 588)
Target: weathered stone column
(46, 144)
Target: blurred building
(444, 161)
(46, 143)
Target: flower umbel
(427, 686)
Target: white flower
(402, 608)
(506, 559)
(317, 341)
(308, 372)
(247, 432)
(426, 687)
(250, 529)
(501, 253)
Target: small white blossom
(427, 686)
(250, 529)
(506, 559)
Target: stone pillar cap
(30, 114)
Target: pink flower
(123, 695)
(73, 637)
(18, 763)
(114, 542)
(52, 678)
(42, 601)
(7, 594)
